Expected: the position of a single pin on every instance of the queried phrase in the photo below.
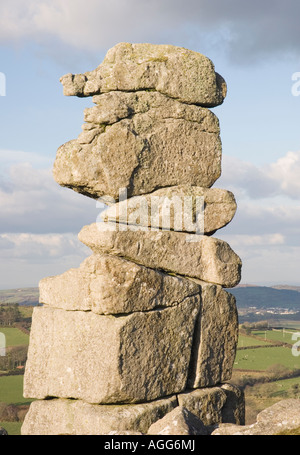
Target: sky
(254, 45)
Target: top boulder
(177, 72)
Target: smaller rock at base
(3, 431)
(76, 417)
(180, 421)
(233, 410)
(125, 433)
(282, 416)
(205, 403)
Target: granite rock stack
(144, 325)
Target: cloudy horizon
(255, 46)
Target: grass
(284, 336)
(263, 358)
(283, 388)
(12, 428)
(11, 390)
(26, 311)
(261, 396)
(245, 341)
(286, 385)
(293, 432)
(14, 337)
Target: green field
(245, 341)
(11, 390)
(287, 384)
(14, 337)
(263, 358)
(284, 336)
(12, 428)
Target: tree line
(9, 314)
(15, 357)
(247, 327)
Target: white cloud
(247, 29)
(255, 240)
(31, 201)
(9, 157)
(41, 247)
(276, 265)
(27, 258)
(286, 172)
(265, 231)
(274, 179)
(266, 217)
(39, 222)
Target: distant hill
(22, 296)
(262, 297)
(267, 297)
(284, 286)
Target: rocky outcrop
(180, 421)
(76, 417)
(105, 359)
(141, 337)
(106, 284)
(142, 151)
(177, 72)
(204, 258)
(278, 419)
(166, 209)
(3, 432)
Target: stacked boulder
(144, 325)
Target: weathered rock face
(282, 416)
(206, 258)
(205, 403)
(144, 325)
(233, 410)
(178, 422)
(76, 417)
(111, 285)
(106, 359)
(181, 208)
(139, 145)
(174, 71)
(215, 339)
